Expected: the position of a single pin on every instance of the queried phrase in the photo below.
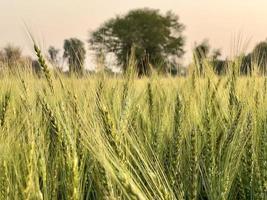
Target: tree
(246, 64)
(155, 38)
(216, 53)
(2, 57)
(75, 52)
(53, 54)
(259, 56)
(219, 65)
(10, 57)
(204, 56)
(257, 59)
(201, 52)
(11, 54)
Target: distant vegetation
(155, 40)
(74, 52)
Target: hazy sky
(51, 21)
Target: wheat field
(157, 138)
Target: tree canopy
(259, 56)
(53, 54)
(204, 55)
(11, 54)
(74, 52)
(255, 60)
(156, 39)
(202, 50)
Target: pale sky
(52, 21)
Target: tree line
(155, 40)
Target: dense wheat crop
(153, 138)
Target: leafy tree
(75, 52)
(257, 59)
(219, 65)
(11, 54)
(216, 53)
(201, 52)
(53, 54)
(259, 56)
(246, 64)
(155, 38)
(2, 57)
(11, 57)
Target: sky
(222, 22)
